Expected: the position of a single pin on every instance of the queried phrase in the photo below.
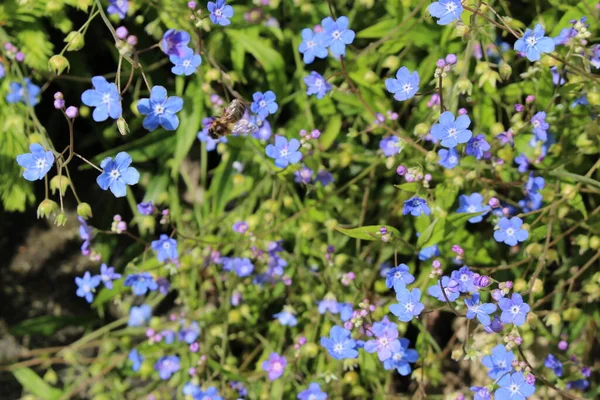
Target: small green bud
(421, 129)
(58, 64)
(462, 30)
(75, 41)
(51, 377)
(594, 242)
(464, 86)
(505, 71)
(46, 208)
(431, 157)
(61, 219)
(122, 126)
(593, 98)
(84, 210)
(61, 183)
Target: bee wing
(244, 127)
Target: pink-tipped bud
(530, 99)
(72, 112)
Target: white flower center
(336, 35)
(464, 277)
(407, 87)
(277, 366)
(383, 341)
(115, 173)
(452, 160)
(409, 306)
(510, 232)
(514, 388)
(536, 123)
(310, 44)
(40, 163)
(166, 245)
(475, 308)
(120, 3)
(531, 41)
(450, 7)
(471, 209)
(86, 288)
(515, 309)
(186, 63)
(159, 109)
(283, 152)
(501, 364)
(262, 103)
(452, 132)
(338, 348)
(318, 83)
(106, 98)
(218, 12)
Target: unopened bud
(122, 126)
(61, 219)
(58, 64)
(84, 210)
(75, 41)
(505, 71)
(46, 208)
(59, 182)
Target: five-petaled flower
(185, 64)
(399, 275)
(448, 158)
(136, 358)
(514, 310)
(477, 146)
(167, 366)
(108, 275)
(416, 206)
(473, 203)
(312, 46)
(499, 361)
(446, 11)
(317, 85)
(264, 104)
(118, 7)
(117, 174)
(390, 145)
(160, 110)
(540, 126)
(139, 315)
(386, 340)
(452, 131)
(105, 97)
(514, 387)
(141, 283)
(284, 152)
(401, 359)
(405, 85)
(37, 163)
(220, 12)
(175, 43)
(27, 93)
(340, 344)
(275, 366)
(479, 310)
(534, 43)
(510, 232)
(166, 248)
(336, 35)
(86, 286)
(409, 304)
(313, 392)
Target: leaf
(34, 43)
(190, 118)
(434, 233)
(578, 204)
(379, 30)
(411, 187)
(33, 383)
(333, 129)
(146, 148)
(222, 182)
(458, 220)
(445, 194)
(368, 232)
(47, 325)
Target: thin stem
(89, 162)
(440, 80)
(72, 186)
(447, 299)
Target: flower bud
(84, 210)
(122, 32)
(46, 208)
(58, 64)
(61, 219)
(505, 71)
(593, 98)
(464, 86)
(122, 126)
(594, 242)
(75, 41)
(72, 112)
(59, 182)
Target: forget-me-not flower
(446, 11)
(167, 366)
(139, 315)
(264, 104)
(514, 387)
(399, 274)
(117, 174)
(105, 97)
(286, 318)
(220, 12)
(312, 46)
(479, 310)
(416, 206)
(160, 110)
(514, 310)
(477, 146)
(86, 286)
(317, 85)
(390, 145)
(313, 392)
(186, 64)
(499, 361)
(464, 278)
(275, 366)
(448, 158)
(136, 358)
(284, 152)
(118, 7)
(472, 203)
(452, 131)
(385, 342)
(166, 248)
(534, 43)
(400, 360)
(27, 93)
(510, 232)
(108, 275)
(141, 283)
(405, 85)
(450, 289)
(336, 35)
(174, 42)
(37, 163)
(409, 304)
(340, 344)
(540, 126)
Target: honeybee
(233, 120)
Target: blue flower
(514, 310)
(595, 56)
(427, 252)
(534, 43)
(139, 315)
(481, 311)
(448, 158)
(275, 366)
(108, 275)
(118, 7)
(117, 174)
(446, 11)
(284, 152)
(340, 344)
(401, 359)
(581, 101)
(220, 12)
(189, 334)
(555, 365)
(510, 232)
(286, 318)
(405, 86)
(386, 341)
(27, 94)
(166, 248)
(37, 163)
(499, 361)
(471, 204)
(465, 280)
(328, 304)
(211, 393)
(565, 35)
(85, 233)
(416, 206)
(105, 97)
(514, 386)
(533, 201)
(312, 46)
(336, 35)
(399, 274)
(136, 358)
(167, 366)
(558, 79)
(264, 104)
(534, 184)
(346, 311)
(146, 208)
(185, 64)
(523, 163)
(317, 85)
(242, 267)
(141, 283)
(303, 175)
(450, 288)
(477, 146)
(451, 131)
(87, 285)
(390, 145)
(312, 393)
(409, 304)
(540, 126)
(481, 393)
(264, 131)
(160, 110)
(2, 71)
(175, 43)
(324, 177)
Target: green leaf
(34, 43)
(146, 148)
(411, 187)
(46, 325)
(190, 118)
(578, 204)
(434, 233)
(221, 186)
(368, 232)
(378, 30)
(445, 194)
(332, 131)
(33, 383)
